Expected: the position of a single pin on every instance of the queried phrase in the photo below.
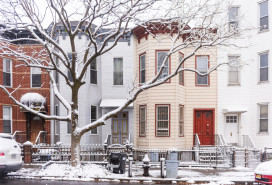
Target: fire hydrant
(146, 165)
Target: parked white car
(10, 155)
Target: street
(8, 181)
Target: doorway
(204, 126)
(120, 128)
(231, 129)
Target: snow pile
(264, 168)
(32, 100)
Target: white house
(107, 85)
(244, 98)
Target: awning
(107, 103)
(234, 110)
(34, 101)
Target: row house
(28, 85)
(169, 115)
(108, 81)
(244, 98)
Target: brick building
(22, 80)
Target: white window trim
(142, 135)
(96, 74)
(157, 106)
(259, 66)
(31, 72)
(55, 122)
(11, 72)
(142, 69)
(10, 117)
(239, 71)
(259, 112)
(91, 118)
(113, 72)
(238, 15)
(259, 16)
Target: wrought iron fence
(44, 152)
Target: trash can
(118, 162)
(154, 157)
(173, 155)
(172, 168)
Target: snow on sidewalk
(88, 172)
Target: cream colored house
(169, 115)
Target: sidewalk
(92, 172)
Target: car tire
(3, 174)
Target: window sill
(96, 85)
(7, 86)
(263, 82)
(118, 86)
(234, 84)
(93, 134)
(263, 133)
(263, 31)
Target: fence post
(162, 167)
(27, 152)
(233, 158)
(246, 157)
(130, 159)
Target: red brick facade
(21, 76)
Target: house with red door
(173, 114)
(28, 85)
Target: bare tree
(186, 23)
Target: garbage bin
(154, 157)
(173, 155)
(118, 162)
(172, 168)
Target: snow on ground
(88, 172)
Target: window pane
(233, 14)
(264, 23)
(118, 71)
(233, 77)
(142, 68)
(35, 70)
(142, 120)
(264, 125)
(7, 126)
(202, 80)
(160, 58)
(36, 80)
(93, 65)
(263, 8)
(162, 121)
(202, 64)
(264, 74)
(93, 113)
(181, 73)
(181, 121)
(94, 131)
(264, 111)
(264, 60)
(6, 79)
(6, 113)
(7, 65)
(93, 77)
(69, 126)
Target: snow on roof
(106, 103)
(234, 110)
(31, 99)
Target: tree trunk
(75, 137)
(75, 149)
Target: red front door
(204, 126)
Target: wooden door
(204, 126)
(120, 128)
(36, 127)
